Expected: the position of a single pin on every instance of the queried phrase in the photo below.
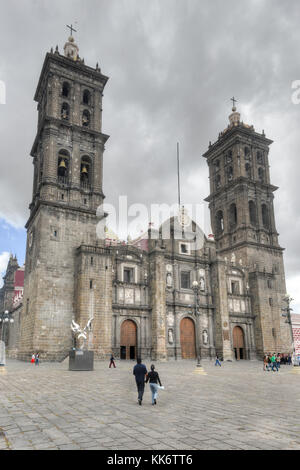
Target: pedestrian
(278, 359)
(140, 371)
(32, 359)
(153, 378)
(112, 361)
(266, 363)
(274, 363)
(217, 361)
(289, 360)
(37, 359)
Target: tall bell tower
(67, 189)
(243, 223)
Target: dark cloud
(173, 65)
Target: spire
(234, 117)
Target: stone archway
(238, 343)
(128, 340)
(187, 338)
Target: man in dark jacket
(140, 371)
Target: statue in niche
(205, 337)
(202, 284)
(233, 258)
(169, 280)
(170, 336)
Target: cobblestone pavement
(236, 406)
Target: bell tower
(67, 189)
(243, 223)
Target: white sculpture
(170, 336)
(169, 279)
(81, 332)
(202, 284)
(205, 337)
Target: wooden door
(187, 339)
(128, 339)
(238, 343)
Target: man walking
(112, 361)
(140, 371)
(274, 363)
(217, 363)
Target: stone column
(158, 302)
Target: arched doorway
(238, 343)
(128, 340)
(187, 339)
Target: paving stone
(229, 408)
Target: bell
(62, 164)
(84, 169)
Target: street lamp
(5, 317)
(288, 299)
(195, 287)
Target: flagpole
(178, 175)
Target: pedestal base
(81, 360)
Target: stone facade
(223, 287)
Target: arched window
(247, 153)
(248, 170)
(216, 165)
(63, 166)
(86, 97)
(65, 111)
(259, 157)
(86, 118)
(232, 215)
(252, 213)
(85, 172)
(65, 89)
(229, 156)
(219, 222)
(230, 173)
(265, 216)
(261, 174)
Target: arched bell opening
(63, 163)
(86, 118)
(65, 111)
(85, 172)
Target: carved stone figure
(170, 336)
(205, 337)
(169, 280)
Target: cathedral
(159, 296)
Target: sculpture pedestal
(81, 360)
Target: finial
(51, 50)
(71, 29)
(233, 103)
(56, 50)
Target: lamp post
(5, 318)
(195, 287)
(287, 313)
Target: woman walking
(32, 359)
(153, 378)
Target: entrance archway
(187, 339)
(128, 340)
(238, 343)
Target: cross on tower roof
(233, 101)
(71, 28)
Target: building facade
(159, 296)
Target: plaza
(237, 406)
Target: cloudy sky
(173, 67)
